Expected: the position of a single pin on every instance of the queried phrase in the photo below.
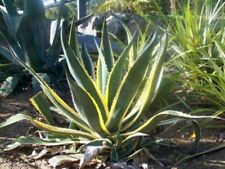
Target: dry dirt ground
(19, 158)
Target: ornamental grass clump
(197, 46)
(109, 99)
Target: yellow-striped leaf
(41, 104)
(81, 76)
(64, 108)
(87, 108)
(106, 47)
(117, 73)
(152, 84)
(129, 87)
(102, 71)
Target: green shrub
(138, 6)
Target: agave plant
(32, 36)
(109, 100)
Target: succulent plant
(109, 100)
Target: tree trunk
(173, 6)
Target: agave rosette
(109, 100)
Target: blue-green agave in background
(32, 37)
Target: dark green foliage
(137, 6)
(68, 11)
(29, 36)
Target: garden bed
(21, 157)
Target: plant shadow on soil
(19, 158)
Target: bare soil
(20, 157)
